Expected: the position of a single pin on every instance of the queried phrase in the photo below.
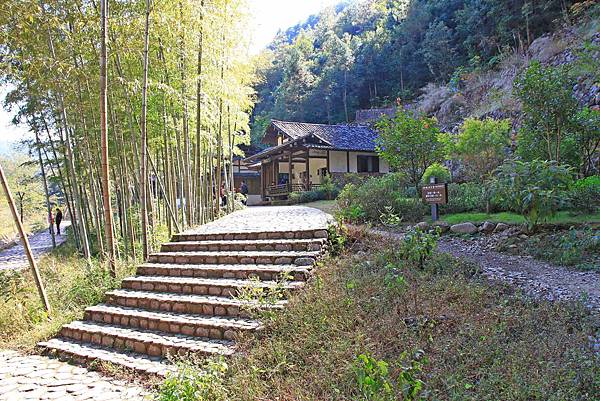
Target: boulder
(464, 228)
(487, 227)
(442, 225)
(501, 227)
(423, 226)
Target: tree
(548, 107)
(106, 200)
(480, 146)
(409, 144)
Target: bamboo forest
(173, 107)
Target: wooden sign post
(435, 194)
(26, 247)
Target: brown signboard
(435, 193)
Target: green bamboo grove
(167, 83)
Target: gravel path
(33, 378)
(537, 278)
(14, 258)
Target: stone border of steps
(192, 304)
(82, 354)
(249, 235)
(264, 272)
(218, 327)
(140, 341)
(237, 257)
(199, 286)
(299, 245)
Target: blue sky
(268, 17)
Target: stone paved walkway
(31, 378)
(14, 258)
(267, 219)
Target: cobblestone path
(14, 258)
(31, 378)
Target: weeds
(418, 246)
(372, 378)
(482, 341)
(194, 383)
(71, 286)
(258, 300)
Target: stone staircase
(183, 299)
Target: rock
(423, 226)
(500, 227)
(464, 228)
(442, 225)
(487, 227)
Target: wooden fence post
(36, 273)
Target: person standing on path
(58, 218)
(244, 191)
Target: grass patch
(441, 330)
(327, 206)
(71, 286)
(512, 218)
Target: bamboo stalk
(25, 241)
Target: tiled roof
(355, 137)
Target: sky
(268, 16)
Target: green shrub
(306, 197)
(372, 377)
(466, 197)
(536, 189)
(190, 383)
(372, 195)
(480, 146)
(438, 171)
(418, 246)
(585, 195)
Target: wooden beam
(328, 167)
(348, 161)
(36, 274)
(290, 171)
(307, 171)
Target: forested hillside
(364, 54)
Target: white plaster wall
(337, 161)
(315, 165)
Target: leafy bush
(372, 377)
(536, 189)
(585, 195)
(466, 197)
(306, 197)
(480, 146)
(438, 171)
(418, 246)
(375, 196)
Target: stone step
(264, 272)
(312, 244)
(237, 257)
(85, 353)
(251, 235)
(201, 286)
(175, 323)
(191, 304)
(146, 342)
